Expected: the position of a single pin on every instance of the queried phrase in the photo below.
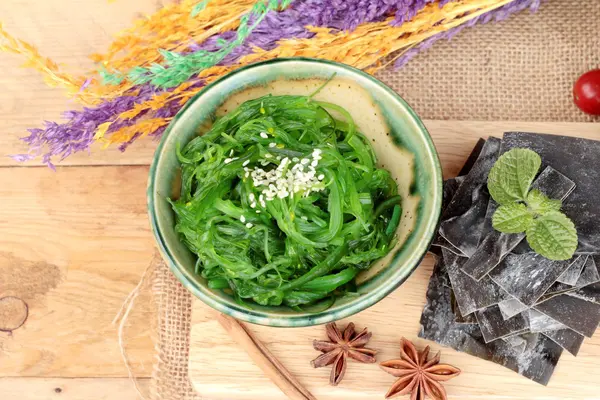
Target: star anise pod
(341, 346)
(418, 376)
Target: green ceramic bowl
(401, 142)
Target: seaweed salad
(283, 204)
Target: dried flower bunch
(153, 68)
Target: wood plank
(67, 31)
(70, 389)
(73, 245)
(221, 370)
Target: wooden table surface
(75, 242)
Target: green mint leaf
(553, 236)
(512, 174)
(540, 204)
(512, 218)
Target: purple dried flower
(77, 134)
(293, 22)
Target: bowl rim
(265, 318)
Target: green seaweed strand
(302, 249)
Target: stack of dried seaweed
(490, 294)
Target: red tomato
(586, 92)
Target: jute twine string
(122, 317)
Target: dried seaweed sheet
(539, 322)
(577, 159)
(580, 315)
(470, 294)
(568, 339)
(494, 245)
(475, 153)
(572, 274)
(589, 293)
(517, 342)
(437, 324)
(527, 277)
(458, 317)
(523, 342)
(449, 188)
(511, 307)
(493, 326)
(589, 275)
(463, 219)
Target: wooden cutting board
(219, 369)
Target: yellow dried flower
(363, 48)
(51, 72)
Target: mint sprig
(553, 234)
(512, 218)
(512, 174)
(549, 232)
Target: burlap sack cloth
(521, 69)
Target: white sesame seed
(246, 163)
(304, 217)
(228, 160)
(247, 174)
(249, 225)
(295, 159)
(258, 211)
(243, 219)
(264, 135)
(251, 196)
(231, 153)
(272, 144)
(288, 178)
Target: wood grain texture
(73, 244)
(66, 31)
(70, 389)
(221, 370)
(83, 232)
